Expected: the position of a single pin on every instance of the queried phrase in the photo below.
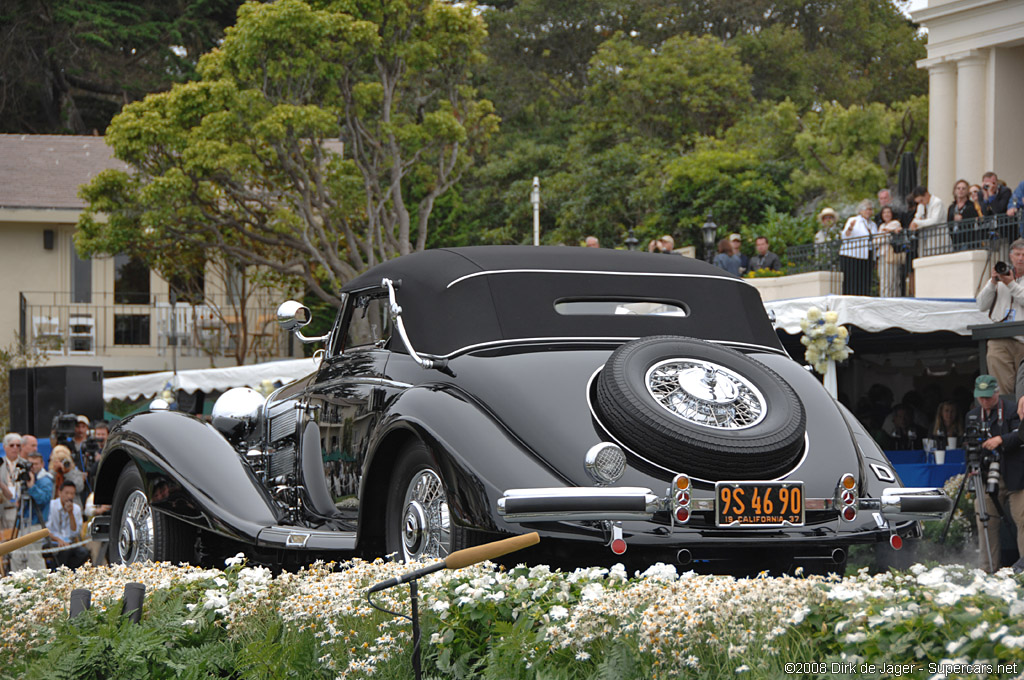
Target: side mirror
(292, 315)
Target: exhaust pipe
(838, 556)
(684, 557)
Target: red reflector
(896, 541)
(849, 513)
(682, 514)
(618, 546)
(683, 497)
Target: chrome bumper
(636, 503)
(579, 503)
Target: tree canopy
(245, 162)
(70, 65)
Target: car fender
(189, 471)
(454, 427)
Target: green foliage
(69, 65)
(238, 165)
(103, 644)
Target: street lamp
(710, 230)
(631, 240)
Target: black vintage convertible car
(629, 407)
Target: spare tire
(695, 407)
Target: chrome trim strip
(732, 279)
(526, 341)
(624, 447)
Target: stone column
(942, 127)
(971, 119)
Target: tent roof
(916, 315)
(207, 379)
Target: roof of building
(46, 171)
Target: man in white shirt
(8, 487)
(65, 523)
(930, 210)
(1002, 298)
(856, 257)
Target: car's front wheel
(418, 522)
(137, 533)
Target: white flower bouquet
(824, 339)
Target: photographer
(996, 422)
(38, 486)
(1002, 298)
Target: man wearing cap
(997, 418)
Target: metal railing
(53, 324)
(882, 265)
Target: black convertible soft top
(455, 298)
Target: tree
(849, 153)
(70, 65)
(242, 162)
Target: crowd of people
(886, 240)
(59, 497)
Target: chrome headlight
(605, 463)
(237, 411)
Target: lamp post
(535, 199)
(631, 240)
(710, 230)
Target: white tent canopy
(916, 315)
(206, 379)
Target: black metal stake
(414, 597)
(131, 605)
(81, 599)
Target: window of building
(131, 329)
(131, 281)
(81, 277)
(188, 286)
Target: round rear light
(896, 541)
(683, 497)
(605, 463)
(848, 497)
(849, 513)
(682, 482)
(682, 514)
(848, 481)
(618, 546)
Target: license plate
(762, 504)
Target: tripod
(978, 486)
(24, 506)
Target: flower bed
(522, 623)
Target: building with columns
(976, 90)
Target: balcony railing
(52, 323)
(882, 265)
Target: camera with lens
(92, 447)
(975, 434)
(1002, 269)
(22, 471)
(64, 428)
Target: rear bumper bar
(635, 503)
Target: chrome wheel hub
(135, 536)
(704, 393)
(425, 519)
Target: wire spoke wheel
(705, 393)
(135, 535)
(426, 528)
